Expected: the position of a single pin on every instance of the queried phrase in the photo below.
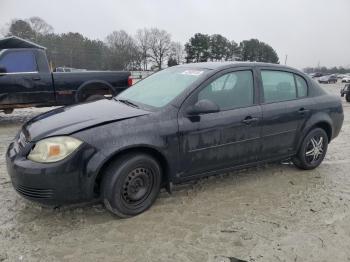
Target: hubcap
(137, 185)
(314, 150)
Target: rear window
(278, 86)
(19, 62)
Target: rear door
(227, 138)
(285, 107)
(22, 83)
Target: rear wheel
(347, 98)
(8, 111)
(131, 184)
(312, 150)
(94, 98)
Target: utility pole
(71, 58)
(285, 60)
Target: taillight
(129, 81)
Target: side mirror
(203, 106)
(2, 70)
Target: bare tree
(3, 31)
(177, 52)
(40, 26)
(143, 43)
(21, 28)
(123, 50)
(160, 43)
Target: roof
(17, 42)
(227, 64)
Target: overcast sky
(309, 31)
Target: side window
(19, 61)
(230, 91)
(301, 86)
(278, 86)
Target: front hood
(68, 120)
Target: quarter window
(278, 86)
(301, 86)
(17, 62)
(230, 91)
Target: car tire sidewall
(115, 177)
(347, 98)
(300, 159)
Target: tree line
(148, 49)
(327, 70)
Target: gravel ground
(270, 213)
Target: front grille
(35, 192)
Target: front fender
(99, 161)
(91, 83)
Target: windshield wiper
(127, 102)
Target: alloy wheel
(314, 149)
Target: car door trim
(221, 145)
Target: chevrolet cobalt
(182, 123)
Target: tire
(94, 98)
(347, 97)
(306, 160)
(131, 184)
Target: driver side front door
(230, 137)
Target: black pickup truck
(27, 81)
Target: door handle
(303, 111)
(36, 78)
(249, 119)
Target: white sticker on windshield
(192, 72)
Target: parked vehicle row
(331, 78)
(179, 124)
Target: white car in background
(341, 76)
(346, 79)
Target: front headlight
(53, 149)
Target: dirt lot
(270, 213)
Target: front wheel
(312, 150)
(131, 184)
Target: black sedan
(182, 123)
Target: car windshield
(160, 88)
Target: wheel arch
(149, 150)
(321, 121)
(326, 126)
(92, 83)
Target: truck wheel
(94, 98)
(312, 150)
(347, 98)
(8, 111)
(131, 184)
